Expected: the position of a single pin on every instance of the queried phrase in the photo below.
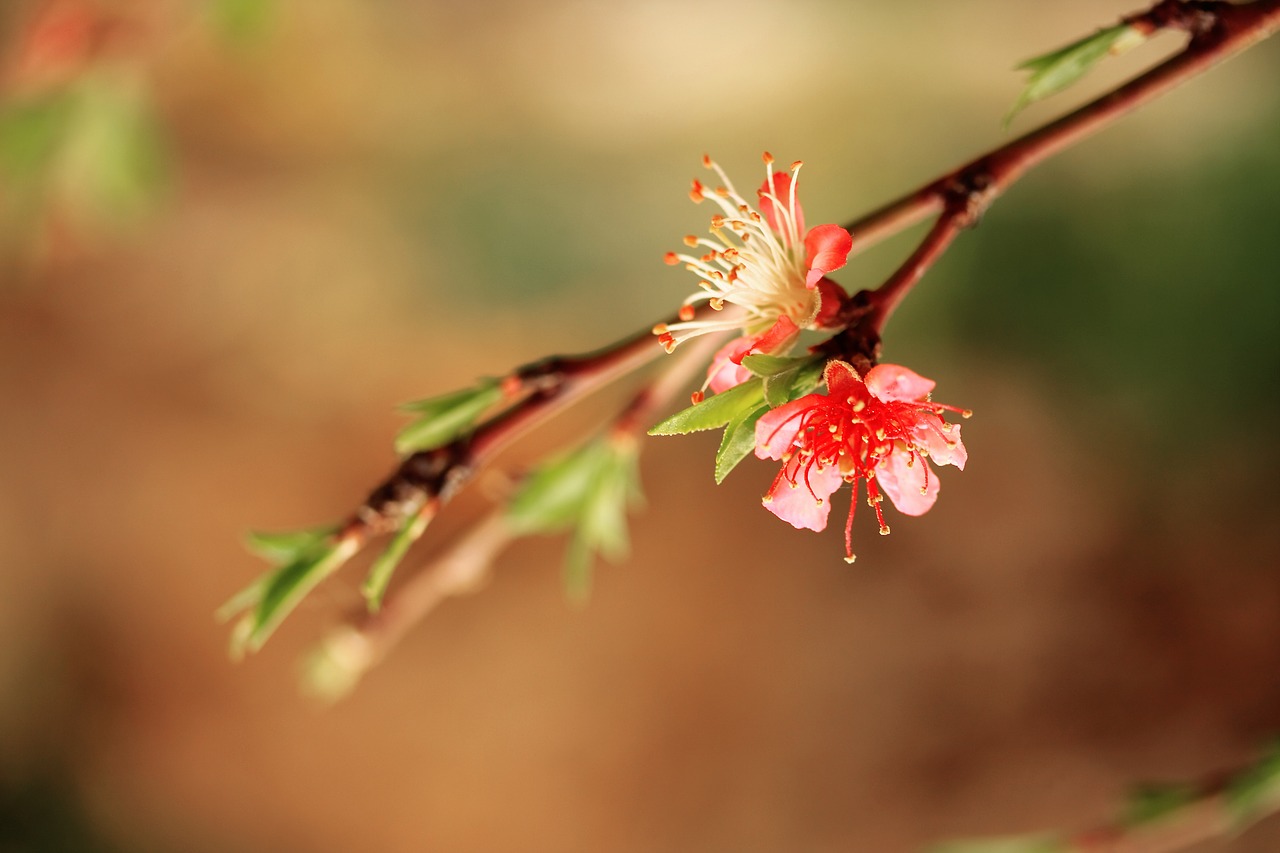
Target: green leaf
(444, 418)
(1055, 71)
(375, 584)
(768, 365)
(715, 411)
(1153, 803)
(30, 132)
(552, 497)
(738, 442)
(243, 22)
(288, 586)
(1256, 792)
(1021, 844)
(286, 546)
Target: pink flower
(761, 268)
(881, 429)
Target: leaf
(30, 132)
(1256, 792)
(1055, 71)
(243, 22)
(1153, 803)
(552, 497)
(444, 418)
(289, 585)
(738, 442)
(375, 583)
(284, 547)
(715, 411)
(768, 365)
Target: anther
(697, 397)
(884, 530)
(851, 558)
(690, 240)
(686, 313)
(706, 161)
(660, 329)
(796, 165)
(768, 159)
(671, 259)
(717, 304)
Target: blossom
(762, 269)
(881, 429)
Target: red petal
(725, 371)
(775, 341)
(831, 301)
(826, 248)
(782, 189)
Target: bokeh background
(235, 234)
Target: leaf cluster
(589, 491)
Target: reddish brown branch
(1218, 31)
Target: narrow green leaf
(552, 497)
(1153, 803)
(286, 546)
(290, 585)
(738, 442)
(604, 514)
(245, 598)
(768, 365)
(715, 411)
(444, 418)
(1061, 68)
(577, 570)
(375, 584)
(1256, 792)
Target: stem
(1219, 30)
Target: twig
(1218, 31)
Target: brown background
(374, 202)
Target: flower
(881, 428)
(765, 265)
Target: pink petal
(894, 382)
(903, 482)
(782, 189)
(776, 429)
(826, 248)
(945, 447)
(726, 371)
(796, 504)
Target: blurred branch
(1218, 30)
(1164, 818)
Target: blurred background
(234, 234)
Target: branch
(1219, 30)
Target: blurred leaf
(285, 547)
(1152, 803)
(1022, 844)
(243, 22)
(30, 133)
(738, 441)
(1055, 71)
(444, 418)
(768, 365)
(715, 411)
(114, 164)
(590, 489)
(1256, 792)
(290, 584)
(375, 584)
(552, 497)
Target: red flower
(882, 430)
